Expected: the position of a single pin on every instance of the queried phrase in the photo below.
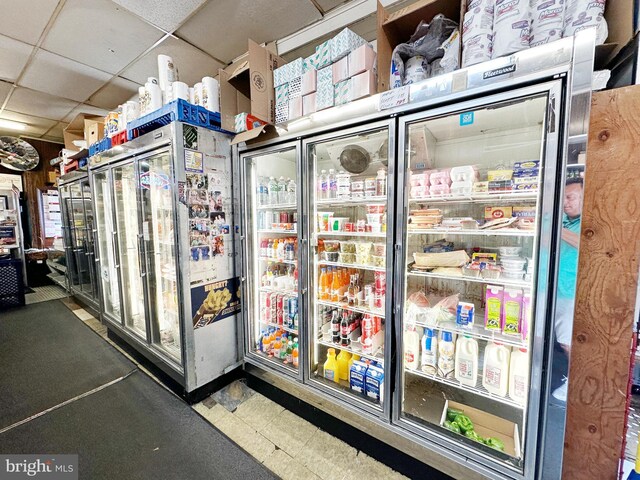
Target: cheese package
(491, 213)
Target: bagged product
(476, 50)
(449, 61)
(511, 27)
(583, 14)
(547, 21)
(415, 70)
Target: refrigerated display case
(164, 214)
(78, 233)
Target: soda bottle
(344, 330)
(289, 355)
(289, 255)
(282, 191)
(368, 327)
(333, 183)
(291, 190)
(280, 250)
(335, 327)
(324, 185)
(273, 191)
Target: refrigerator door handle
(141, 258)
(113, 250)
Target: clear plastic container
(469, 271)
(490, 273)
(379, 249)
(464, 174)
(508, 275)
(439, 190)
(331, 246)
(440, 177)
(377, 261)
(509, 251)
(461, 188)
(363, 258)
(348, 246)
(363, 248)
(347, 258)
(513, 264)
(330, 256)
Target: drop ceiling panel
(163, 14)
(40, 104)
(60, 76)
(114, 93)
(327, 5)
(56, 131)
(13, 58)
(101, 34)
(25, 20)
(221, 28)
(86, 109)
(192, 64)
(35, 125)
(5, 88)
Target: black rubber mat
(47, 356)
(135, 429)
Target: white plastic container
(429, 344)
(509, 251)
(446, 354)
(464, 174)
(411, 348)
(495, 376)
(467, 361)
(519, 375)
(513, 264)
(461, 188)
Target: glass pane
(472, 187)
(78, 234)
(349, 270)
(65, 204)
(272, 241)
(106, 245)
(157, 227)
(91, 288)
(129, 248)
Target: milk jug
(446, 349)
(411, 348)
(519, 376)
(429, 344)
(496, 369)
(467, 361)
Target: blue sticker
(466, 118)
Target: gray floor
(44, 294)
(66, 390)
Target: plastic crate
(101, 146)
(178, 110)
(11, 284)
(119, 138)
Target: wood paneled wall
(35, 180)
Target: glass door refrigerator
(349, 212)
(163, 210)
(272, 254)
(477, 230)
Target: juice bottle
(294, 357)
(276, 347)
(336, 285)
(274, 249)
(343, 359)
(496, 369)
(519, 375)
(331, 366)
(322, 281)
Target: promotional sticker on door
(216, 301)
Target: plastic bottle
(495, 376)
(276, 347)
(324, 185)
(368, 331)
(333, 183)
(322, 284)
(282, 191)
(467, 361)
(336, 285)
(429, 361)
(294, 357)
(381, 183)
(519, 375)
(291, 190)
(273, 191)
(446, 352)
(343, 359)
(335, 327)
(331, 366)
(345, 340)
(411, 348)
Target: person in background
(568, 270)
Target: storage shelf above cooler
(282, 206)
(530, 195)
(352, 265)
(287, 232)
(275, 260)
(481, 391)
(377, 356)
(352, 201)
(488, 281)
(344, 306)
(505, 232)
(277, 325)
(477, 331)
(352, 234)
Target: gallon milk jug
(467, 361)
(411, 348)
(429, 362)
(519, 376)
(496, 369)
(446, 349)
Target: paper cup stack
(511, 27)
(477, 32)
(547, 21)
(583, 14)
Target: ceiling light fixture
(12, 125)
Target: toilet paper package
(310, 63)
(295, 69)
(295, 87)
(167, 73)
(476, 50)
(280, 75)
(583, 14)
(416, 69)
(282, 94)
(511, 27)
(210, 94)
(542, 37)
(323, 54)
(547, 21)
(478, 21)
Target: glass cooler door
(271, 257)
(350, 223)
(474, 272)
(92, 287)
(78, 237)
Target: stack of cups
(210, 94)
(582, 14)
(511, 27)
(167, 74)
(547, 21)
(477, 32)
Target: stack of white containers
(477, 32)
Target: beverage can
(285, 310)
(277, 318)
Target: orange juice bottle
(323, 285)
(336, 285)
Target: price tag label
(394, 98)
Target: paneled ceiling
(59, 58)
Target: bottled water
(282, 191)
(333, 183)
(291, 190)
(273, 191)
(324, 185)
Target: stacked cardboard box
(339, 71)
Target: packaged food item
(429, 347)
(357, 375)
(455, 222)
(376, 207)
(480, 187)
(461, 188)
(370, 187)
(337, 223)
(378, 261)
(524, 212)
(379, 249)
(512, 275)
(465, 174)
(484, 257)
(491, 272)
(464, 315)
(509, 251)
(374, 382)
(498, 223)
(357, 189)
(419, 179)
(499, 186)
(438, 247)
(457, 258)
(513, 264)
(526, 165)
(343, 183)
(347, 257)
(493, 308)
(472, 270)
(526, 186)
(511, 308)
(324, 221)
(446, 352)
(491, 213)
(439, 190)
(499, 175)
(440, 177)
(330, 256)
(347, 246)
(332, 245)
(419, 192)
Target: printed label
(465, 369)
(492, 376)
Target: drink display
(348, 292)
(274, 249)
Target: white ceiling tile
(327, 5)
(56, 131)
(101, 34)
(51, 73)
(86, 109)
(35, 125)
(163, 14)
(114, 93)
(43, 105)
(13, 58)
(5, 88)
(192, 63)
(25, 20)
(221, 28)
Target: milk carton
(374, 382)
(357, 375)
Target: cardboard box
(247, 85)
(342, 92)
(340, 70)
(494, 213)
(397, 27)
(245, 121)
(323, 54)
(487, 425)
(361, 59)
(344, 43)
(77, 128)
(94, 132)
(295, 108)
(309, 82)
(309, 104)
(363, 85)
(325, 88)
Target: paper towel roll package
(211, 94)
(415, 70)
(477, 21)
(511, 27)
(477, 49)
(547, 21)
(583, 14)
(167, 73)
